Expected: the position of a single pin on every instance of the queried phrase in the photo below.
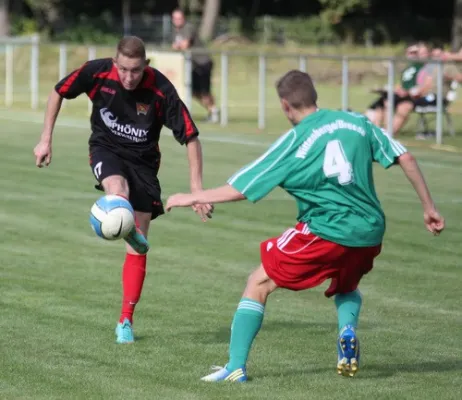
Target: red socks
(133, 274)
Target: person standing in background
(185, 37)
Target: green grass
(61, 286)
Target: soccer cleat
(222, 374)
(137, 240)
(124, 332)
(348, 352)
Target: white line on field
(218, 139)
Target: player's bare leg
(117, 184)
(245, 327)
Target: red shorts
(299, 260)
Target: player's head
(130, 61)
(297, 95)
(178, 18)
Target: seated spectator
(430, 74)
(376, 112)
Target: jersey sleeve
(385, 149)
(78, 81)
(260, 177)
(177, 117)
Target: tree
(4, 18)
(210, 14)
(335, 10)
(457, 26)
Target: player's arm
(222, 194)
(179, 120)
(69, 87)
(433, 220)
(387, 152)
(252, 182)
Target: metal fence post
(439, 103)
(391, 96)
(302, 63)
(166, 28)
(345, 83)
(188, 78)
(91, 56)
(261, 91)
(62, 64)
(224, 89)
(9, 75)
(34, 73)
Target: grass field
(61, 286)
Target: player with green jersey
(325, 162)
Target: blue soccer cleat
(137, 241)
(222, 374)
(348, 352)
(124, 332)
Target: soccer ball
(112, 217)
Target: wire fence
(242, 81)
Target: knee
(116, 184)
(261, 285)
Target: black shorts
(142, 180)
(201, 78)
(380, 102)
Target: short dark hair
(438, 45)
(131, 47)
(298, 89)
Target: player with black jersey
(131, 103)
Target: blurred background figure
(185, 37)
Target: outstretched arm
(222, 194)
(433, 220)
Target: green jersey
(325, 163)
(409, 75)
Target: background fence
(242, 82)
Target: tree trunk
(457, 26)
(4, 18)
(210, 15)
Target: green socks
(246, 324)
(348, 308)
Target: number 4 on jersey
(336, 164)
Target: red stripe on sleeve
(188, 124)
(111, 75)
(69, 81)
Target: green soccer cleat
(137, 240)
(124, 332)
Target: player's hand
(204, 211)
(434, 221)
(42, 154)
(180, 200)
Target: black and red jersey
(129, 121)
